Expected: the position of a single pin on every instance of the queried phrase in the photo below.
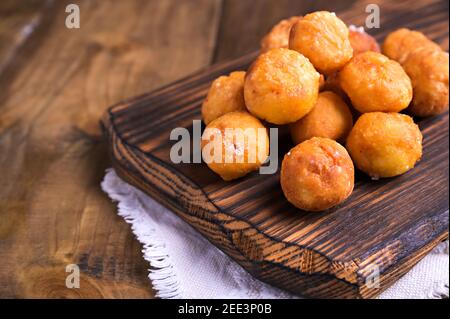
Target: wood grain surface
(389, 224)
(54, 85)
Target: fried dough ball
(278, 37)
(361, 41)
(373, 83)
(400, 43)
(323, 38)
(385, 144)
(234, 145)
(428, 70)
(426, 64)
(225, 95)
(317, 174)
(281, 86)
(329, 118)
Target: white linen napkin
(183, 264)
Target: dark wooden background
(55, 83)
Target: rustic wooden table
(55, 83)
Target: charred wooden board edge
(204, 220)
(346, 281)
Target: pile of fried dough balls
(316, 75)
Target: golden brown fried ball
(281, 86)
(317, 174)
(362, 41)
(428, 70)
(400, 43)
(235, 144)
(330, 118)
(278, 37)
(225, 95)
(323, 38)
(373, 83)
(385, 144)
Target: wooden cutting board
(384, 228)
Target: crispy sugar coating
(330, 118)
(281, 86)
(385, 144)
(373, 82)
(428, 70)
(400, 43)
(278, 37)
(317, 174)
(225, 95)
(324, 39)
(240, 151)
(361, 41)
